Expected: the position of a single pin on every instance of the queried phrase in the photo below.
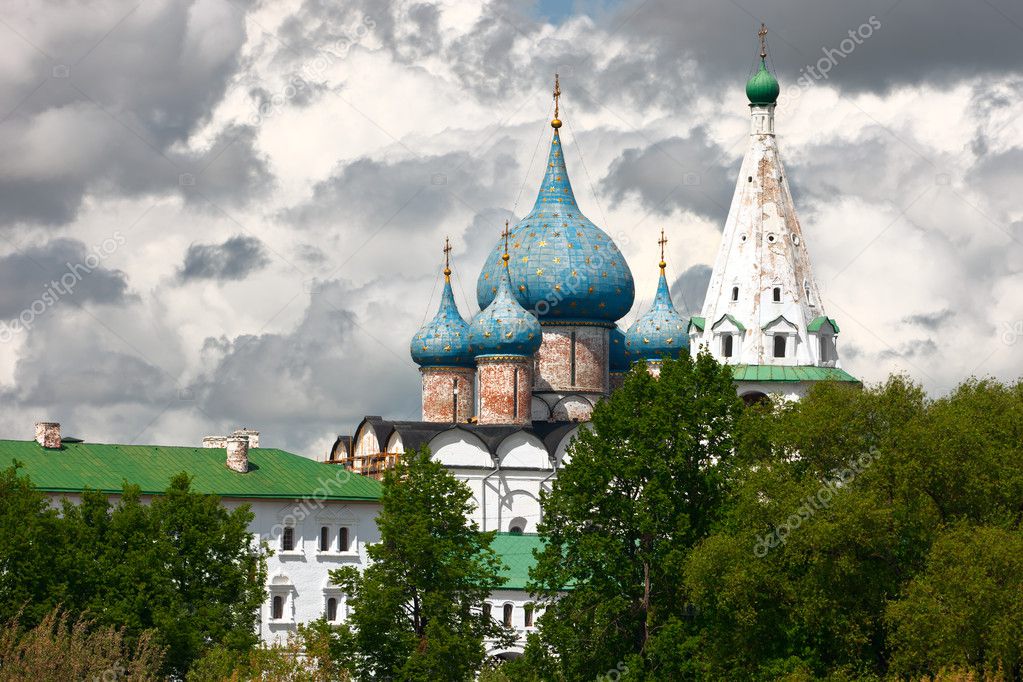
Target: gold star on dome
(556, 260)
(541, 243)
(557, 234)
(539, 272)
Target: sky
(227, 213)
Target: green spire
(763, 87)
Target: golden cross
(557, 94)
(505, 235)
(447, 259)
(662, 241)
(763, 40)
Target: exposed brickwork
(48, 435)
(439, 385)
(554, 359)
(497, 378)
(238, 453)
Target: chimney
(238, 454)
(48, 435)
(251, 434)
(214, 442)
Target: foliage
(61, 648)
(181, 568)
(416, 610)
(642, 488)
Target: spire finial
(763, 40)
(505, 234)
(447, 259)
(555, 123)
(662, 241)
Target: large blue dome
(563, 267)
(504, 327)
(444, 340)
(659, 332)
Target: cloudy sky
(217, 213)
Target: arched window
(486, 610)
(776, 294)
(779, 345)
(735, 293)
(528, 609)
(278, 608)
(332, 609)
(508, 609)
(324, 539)
(288, 539)
(726, 345)
(343, 543)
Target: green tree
(416, 610)
(643, 486)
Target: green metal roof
(516, 550)
(817, 322)
(697, 322)
(729, 316)
(272, 473)
(789, 373)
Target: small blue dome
(660, 332)
(504, 327)
(444, 340)
(563, 267)
(618, 361)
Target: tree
(642, 487)
(416, 610)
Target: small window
(278, 608)
(735, 293)
(288, 539)
(324, 539)
(343, 542)
(825, 349)
(776, 294)
(486, 610)
(529, 615)
(508, 610)
(726, 346)
(332, 609)
(515, 530)
(779, 346)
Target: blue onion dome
(563, 268)
(504, 327)
(444, 340)
(618, 361)
(660, 332)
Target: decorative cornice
(577, 323)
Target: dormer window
(776, 294)
(779, 346)
(735, 293)
(726, 345)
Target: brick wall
(554, 359)
(501, 379)
(439, 394)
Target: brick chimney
(48, 435)
(214, 442)
(238, 453)
(251, 434)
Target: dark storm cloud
(690, 289)
(407, 194)
(64, 270)
(931, 321)
(235, 259)
(690, 173)
(109, 115)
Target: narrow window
(324, 539)
(735, 293)
(278, 608)
(515, 392)
(779, 346)
(454, 400)
(824, 349)
(726, 346)
(508, 608)
(288, 539)
(572, 358)
(332, 609)
(486, 610)
(529, 615)
(343, 543)
(777, 294)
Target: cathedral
(504, 393)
